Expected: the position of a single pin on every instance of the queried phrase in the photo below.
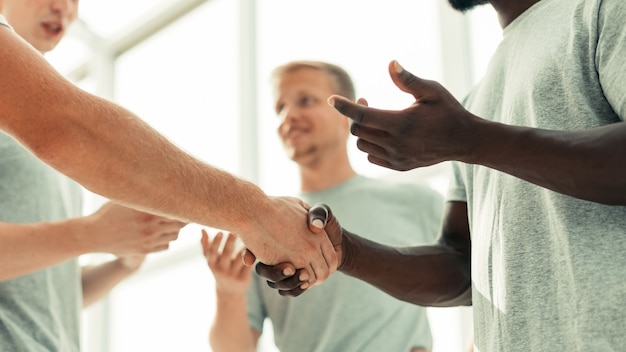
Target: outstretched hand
(433, 129)
(231, 276)
(290, 281)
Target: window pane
(183, 82)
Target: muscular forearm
(112, 152)
(231, 330)
(26, 248)
(425, 275)
(99, 280)
(584, 164)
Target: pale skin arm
(586, 164)
(115, 229)
(230, 331)
(113, 153)
(99, 280)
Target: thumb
(247, 257)
(421, 89)
(318, 217)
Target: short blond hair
(339, 78)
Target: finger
(160, 247)
(172, 222)
(330, 261)
(291, 293)
(318, 217)
(276, 273)
(383, 162)
(291, 286)
(211, 253)
(290, 283)
(229, 247)
(360, 114)
(372, 149)
(215, 243)
(409, 83)
(204, 241)
(362, 101)
(169, 237)
(247, 257)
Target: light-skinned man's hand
(124, 231)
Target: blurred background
(198, 71)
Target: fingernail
(304, 276)
(397, 67)
(331, 101)
(288, 271)
(318, 223)
(305, 285)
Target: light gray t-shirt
(40, 311)
(549, 270)
(345, 314)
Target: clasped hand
(291, 281)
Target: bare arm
(437, 275)
(230, 331)
(25, 248)
(586, 164)
(114, 153)
(99, 280)
(115, 229)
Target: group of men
(531, 234)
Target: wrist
(130, 263)
(229, 296)
(79, 231)
(346, 255)
(256, 209)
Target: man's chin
(466, 5)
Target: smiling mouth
(294, 134)
(52, 28)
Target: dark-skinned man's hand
(433, 129)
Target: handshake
(285, 277)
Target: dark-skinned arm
(434, 275)
(585, 164)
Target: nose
(65, 7)
(287, 117)
(289, 114)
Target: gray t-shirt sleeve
(610, 54)
(456, 188)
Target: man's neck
(509, 10)
(324, 175)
